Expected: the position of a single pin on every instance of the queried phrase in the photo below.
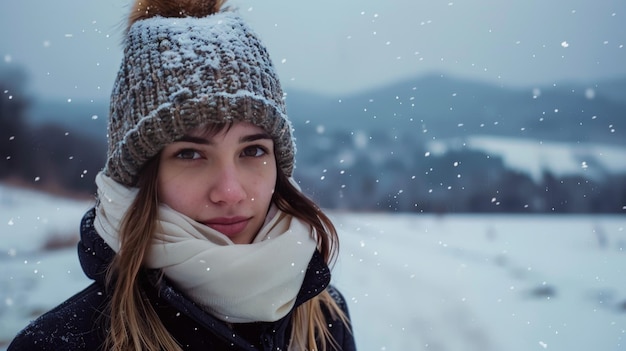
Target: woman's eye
(188, 154)
(253, 151)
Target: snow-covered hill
(535, 157)
(414, 282)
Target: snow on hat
(186, 64)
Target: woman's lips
(228, 226)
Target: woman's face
(224, 181)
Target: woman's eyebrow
(254, 137)
(243, 139)
(195, 140)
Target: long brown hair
(134, 325)
(309, 320)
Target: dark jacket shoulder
(342, 333)
(69, 326)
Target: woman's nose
(226, 187)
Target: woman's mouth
(230, 226)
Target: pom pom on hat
(187, 64)
(143, 9)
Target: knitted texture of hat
(178, 74)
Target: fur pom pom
(143, 9)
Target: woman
(200, 239)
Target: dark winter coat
(80, 322)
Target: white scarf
(236, 283)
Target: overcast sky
(72, 49)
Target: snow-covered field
(414, 282)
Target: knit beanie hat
(186, 64)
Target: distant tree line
(43, 156)
(395, 172)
